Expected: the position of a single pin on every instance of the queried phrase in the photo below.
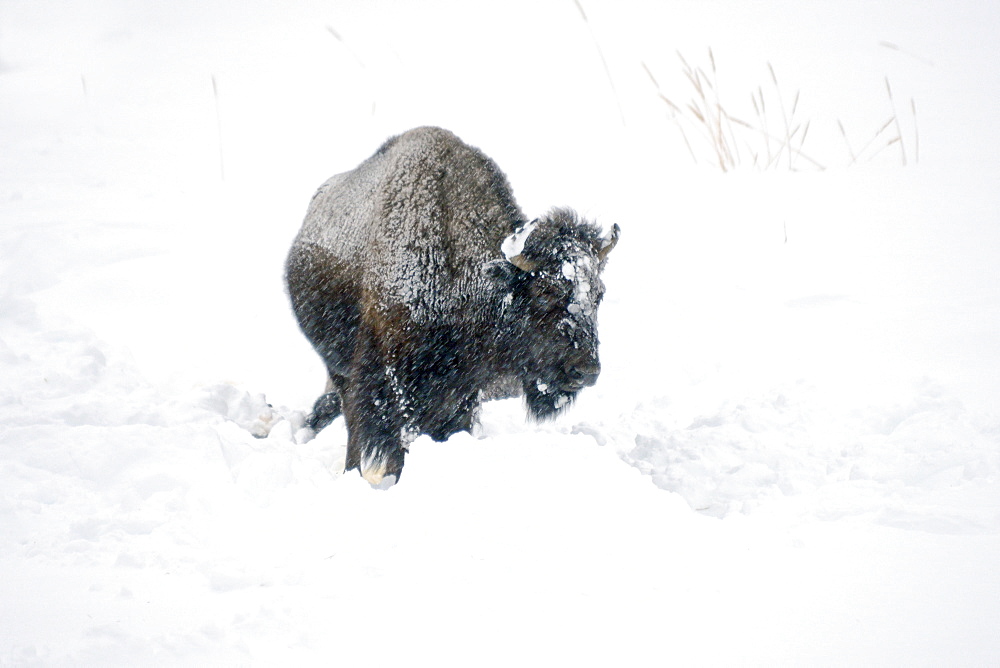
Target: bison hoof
(378, 478)
(385, 483)
(379, 474)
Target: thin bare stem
(784, 116)
(894, 140)
(675, 111)
(843, 133)
(604, 62)
(895, 118)
(732, 140)
(872, 140)
(800, 154)
(347, 47)
(218, 127)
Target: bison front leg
(328, 407)
(375, 426)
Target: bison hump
(417, 221)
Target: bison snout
(582, 375)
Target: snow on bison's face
(556, 289)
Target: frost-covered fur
(399, 279)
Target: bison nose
(583, 375)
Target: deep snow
(792, 454)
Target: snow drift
(791, 457)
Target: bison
(425, 290)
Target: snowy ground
(793, 453)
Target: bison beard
(426, 291)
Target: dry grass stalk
(354, 55)
(784, 116)
(725, 133)
(604, 62)
(893, 121)
(218, 127)
(843, 133)
(347, 47)
(728, 137)
(895, 118)
(871, 141)
(675, 111)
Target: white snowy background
(792, 455)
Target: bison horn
(523, 263)
(608, 242)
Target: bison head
(551, 277)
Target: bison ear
(523, 263)
(608, 242)
(501, 271)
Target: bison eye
(551, 293)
